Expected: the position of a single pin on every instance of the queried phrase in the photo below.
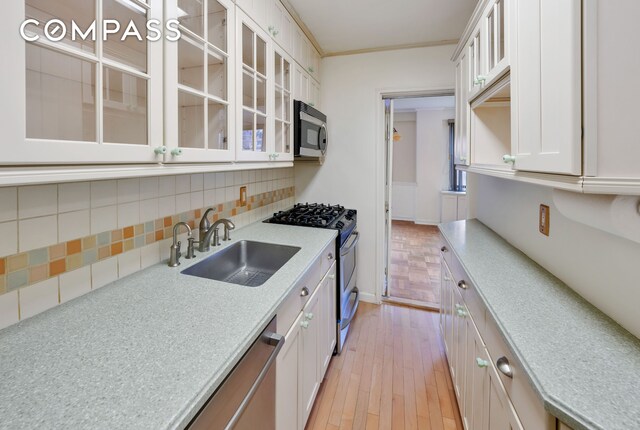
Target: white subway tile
(197, 200)
(128, 214)
(104, 219)
(149, 255)
(74, 284)
(228, 179)
(128, 263)
(128, 190)
(165, 249)
(104, 193)
(9, 235)
(39, 297)
(104, 272)
(210, 198)
(74, 197)
(209, 181)
(197, 182)
(148, 210)
(237, 178)
(166, 186)
(166, 206)
(252, 176)
(8, 309)
(8, 204)
(74, 225)
(38, 232)
(220, 180)
(149, 188)
(37, 200)
(183, 203)
(183, 184)
(229, 194)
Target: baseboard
(369, 298)
(403, 218)
(426, 222)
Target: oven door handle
(272, 339)
(356, 301)
(354, 242)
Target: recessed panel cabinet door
(310, 360)
(288, 380)
(546, 127)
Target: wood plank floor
(415, 262)
(392, 374)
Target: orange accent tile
(139, 229)
(89, 242)
(128, 232)
(128, 245)
(57, 251)
(104, 252)
(167, 221)
(38, 273)
(74, 262)
(192, 224)
(57, 267)
(2, 265)
(248, 207)
(234, 212)
(17, 262)
(198, 213)
(74, 247)
(216, 217)
(116, 235)
(220, 207)
(116, 248)
(159, 235)
(150, 238)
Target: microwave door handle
(323, 150)
(354, 242)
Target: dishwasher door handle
(273, 339)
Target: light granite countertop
(147, 351)
(582, 364)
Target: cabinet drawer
(328, 257)
(293, 304)
(528, 406)
(469, 293)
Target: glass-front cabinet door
(75, 91)
(253, 92)
(283, 107)
(496, 24)
(199, 82)
(476, 52)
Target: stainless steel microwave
(310, 131)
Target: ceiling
(422, 103)
(341, 26)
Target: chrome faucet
(207, 231)
(175, 254)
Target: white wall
(404, 150)
(599, 266)
(352, 173)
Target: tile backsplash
(63, 240)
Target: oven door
(312, 136)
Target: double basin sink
(246, 263)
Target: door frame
(381, 161)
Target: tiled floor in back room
(392, 374)
(415, 262)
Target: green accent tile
(149, 227)
(17, 279)
(184, 217)
(138, 242)
(38, 256)
(90, 256)
(104, 238)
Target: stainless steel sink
(245, 263)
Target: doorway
(418, 133)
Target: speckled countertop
(584, 366)
(145, 352)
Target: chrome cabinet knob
(330, 256)
(444, 249)
(304, 292)
(462, 285)
(504, 367)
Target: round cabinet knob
(481, 363)
(176, 152)
(304, 292)
(310, 69)
(509, 159)
(462, 285)
(504, 367)
(332, 276)
(304, 324)
(461, 313)
(160, 150)
(444, 249)
(275, 33)
(309, 316)
(330, 256)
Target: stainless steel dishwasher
(247, 397)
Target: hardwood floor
(392, 374)
(415, 262)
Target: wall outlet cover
(544, 220)
(243, 196)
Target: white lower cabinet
(308, 348)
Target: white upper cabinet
(256, 9)
(461, 152)
(546, 115)
(199, 82)
(280, 25)
(80, 101)
(496, 25)
(283, 107)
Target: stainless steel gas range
(345, 221)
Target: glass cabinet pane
(217, 76)
(191, 16)
(247, 46)
(248, 121)
(286, 75)
(500, 30)
(217, 119)
(279, 136)
(261, 133)
(279, 108)
(248, 99)
(131, 51)
(190, 120)
(261, 95)
(190, 64)
(82, 12)
(286, 114)
(125, 108)
(261, 56)
(491, 21)
(217, 25)
(60, 96)
(277, 66)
